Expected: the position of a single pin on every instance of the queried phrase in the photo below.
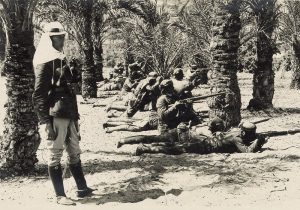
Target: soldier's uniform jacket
(169, 117)
(231, 141)
(223, 142)
(128, 85)
(53, 95)
(183, 88)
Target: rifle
(260, 121)
(196, 98)
(254, 122)
(279, 133)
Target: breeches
(67, 138)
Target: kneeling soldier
(171, 111)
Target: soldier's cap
(54, 28)
(248, 126)
(134, 66)
(166, 83)
(153, 74)
(178, 71)
(194, 66)
(182, 127)
(116, 67)
(216, 122)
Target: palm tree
(224, 49)
(89, 88)
(195, 19)
(20, 139)
(104, 17)
(154, 40)
(98, 44)
(289, 32)
(266, 14)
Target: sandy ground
(265, 180)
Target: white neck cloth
(45, 52)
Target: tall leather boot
(83, 189)
(55, 174)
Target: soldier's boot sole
(62, 200)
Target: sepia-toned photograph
(149, 104)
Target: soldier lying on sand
(149, 123)
(183, 140)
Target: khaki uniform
(174, 142)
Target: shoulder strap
(52, 81)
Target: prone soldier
(182, 140)
(149, 123)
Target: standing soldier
(56, 106)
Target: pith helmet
(54, 28)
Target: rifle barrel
(260, 121)
(280, 133)
(205, 96)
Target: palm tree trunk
(97, 28)
(20, 139)
(224, 50)
(2, 42)
(89, 87)
(2, 48)
(263, 77)
(98, 58)
(295, 83)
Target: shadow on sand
(230, 169)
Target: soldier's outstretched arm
(255, 146)
(163, 110)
